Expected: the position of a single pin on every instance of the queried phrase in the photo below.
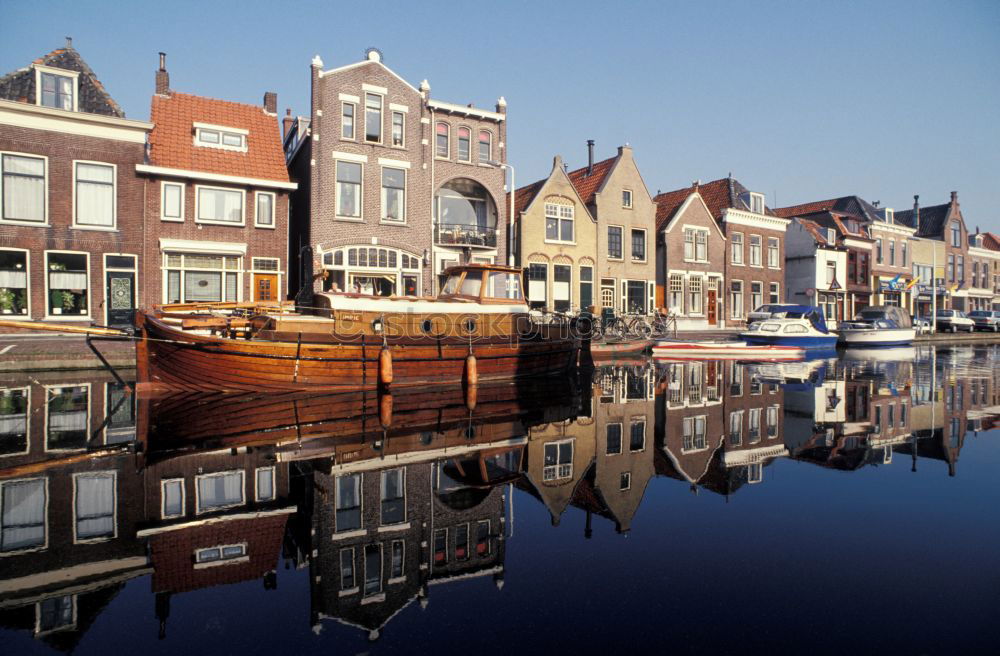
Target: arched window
(442, 147)
(485, 146)
(464, 145)
(465, 214)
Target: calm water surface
(838, 505)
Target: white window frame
(256, 487)
(760, 251)
(27, 420)
(361, 193)
(62, 72)
(627, 199)
(45, 192)
(558, 472)
(458, 144)
(682, 285)
(402, 562)
(621, 438)
(733, 306)
(45, 430)
(776, 249)
(45, 544)
(163, 200)
(197, 206)
(163, 498)
(339, 533)
(114, 197)
(756, 202)
(353, 589)
(381, 117)
(633, 422)
(199, 564)
(165, 268)
(691, 423)
(382, 199)
(755, 305)
(90, 295)
(447, 138)
(222, 130)
(645, 245)
(620, 258)
(625, 477)
(737, 245)
(27, 275)
(392, 124)
(406, 509)
(695, 288)
(771, 288)
(71, 626)
(274, 210)
(114, 510)
(479, 143)
(197, 493)
(559, 219)
(354, 121)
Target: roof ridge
(210, 98)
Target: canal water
(831, 506)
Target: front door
(265, 287)
(711, 308)
(120, 294)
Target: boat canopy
(811, 312)
(897, 315)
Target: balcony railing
(465, 235)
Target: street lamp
(510, 215)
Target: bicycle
(633, 325)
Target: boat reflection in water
(384, 498)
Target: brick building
(216, 191)
(71, 230)
(400, 185)
(944, 223)
(690, 259)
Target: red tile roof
(524, 196)
(805, 208)
(172, 139)
(718, 196)
(991, 241)
(587, 185)
(668, 203)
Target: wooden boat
(724, 350)
(612, 348)
(478, 328)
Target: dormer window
(890, 215)
(215, 136)
(831, 236)
(756, 203)
(56, 88)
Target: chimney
(69, 43)
(916, 212)
(271, 103)
(286, 123)
(590, 156)
(162, 77)
(954, 197)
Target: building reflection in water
(386, 499)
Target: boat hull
(170, 358)
(809, 342)
(725, 351)
(878, 337)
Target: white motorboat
(801, 326)
(878, 325)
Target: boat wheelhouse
(792, 325)
(878, 325)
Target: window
(172, 201)
(349, 190)
(625, 481)
(753, 434)
(756, 294)
(396, 566)
(772, 422)
(462, 542)
(676, 293)
(264, 216)
(265, 484)
(442, 147)
(485, 146)
(211, 136)
(220, 205)
(67, 417)
(736, 428)
(773, 259)
(94, 194)
(755, 242)
(559, 222)
(607, 292)
(615, 242)
(614, 439)
(56, 614)
(831, 272)
(626, 198)
(23, 508)
(465, 213)
(902, 254)
(348, 503)
(693, 434)
(172, 493)
(483, 546)
(736, 299)
(694, 295)
(193, 277)
(13, 282)
(394, 195)
(94, 506)
(441, 546)
(561, 285)
(757, 203)
(537, 276)
(558, 460)
(960, 269)
(13, 421)
(638, 244)
(902, 414)
(736, 246)
(58, 91)
(220, 554)
(951, 268)
(217, 491)
(878, 251)
(373, 118)
(464, 145)
(68, 277)
(347, 120)
(347, 569)
(892, 252)
(393, 496)
(774, 293)
(956, 234)
(398, 122)
(586, 286)
(23, 188)
(637, 435)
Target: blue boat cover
(811, 312)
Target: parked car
(953, 321)
(986, 319)
(924, 325)
(761, 313)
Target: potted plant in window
(6, 301)
(67, 300)
(56, 299)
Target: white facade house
(816, 268)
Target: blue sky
(799, 100)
